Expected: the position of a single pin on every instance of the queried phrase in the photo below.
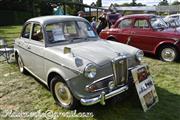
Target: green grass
(9, 33)
(23, 93)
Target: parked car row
(147, 32)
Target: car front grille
(120, 70)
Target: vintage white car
(68, 56)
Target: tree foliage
(163, 3)
(133, 3)
(38, 7)
(99, 3)
(176, 2)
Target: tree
(99, 3)
(163, 3)
(133, 2)
(130, 4)
(176, 2)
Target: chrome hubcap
(63, 94)
(21, 67)
(168, 54)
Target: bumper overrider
(102, 97)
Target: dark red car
(147, 32)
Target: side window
(125, 23)
(37, 34)
(26, 31)
(141, 24)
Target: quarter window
(141, 24)
(26, 31)
(125, 23)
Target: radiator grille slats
(120, 70)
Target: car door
(23, 45)
(141, 35)
(36, 47)
(123, 30)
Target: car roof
(55, 19)
(139, 16)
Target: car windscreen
(158, 23)
(69, 31)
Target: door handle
(29, 47)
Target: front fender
(63, 72)
(162, 43)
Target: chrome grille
(120, 70)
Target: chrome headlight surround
(90, 71)
(139, 55)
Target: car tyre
(21, 65)
(62, 94)
(168, 53)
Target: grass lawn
(23, 93)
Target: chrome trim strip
(98, 80)
(102, 97)
(75, 71)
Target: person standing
(103, 22)
(81, 14)
(93, 23)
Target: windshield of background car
(157, 22)
(67, 31)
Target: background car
(175, 17)
(147, 32)
(68, 56)
(173, 23)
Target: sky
(108, 2)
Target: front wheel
(168, 53)
(62, 93)
(21, 65)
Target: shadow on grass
(130, 109)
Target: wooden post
(97, 14)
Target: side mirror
(25, 35)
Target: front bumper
(102, 97)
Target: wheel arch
(16, 53)
(156, 51)
(112, 37)
(52, 74)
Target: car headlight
(139, 55)
(90, 71)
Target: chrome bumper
(101, 98)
